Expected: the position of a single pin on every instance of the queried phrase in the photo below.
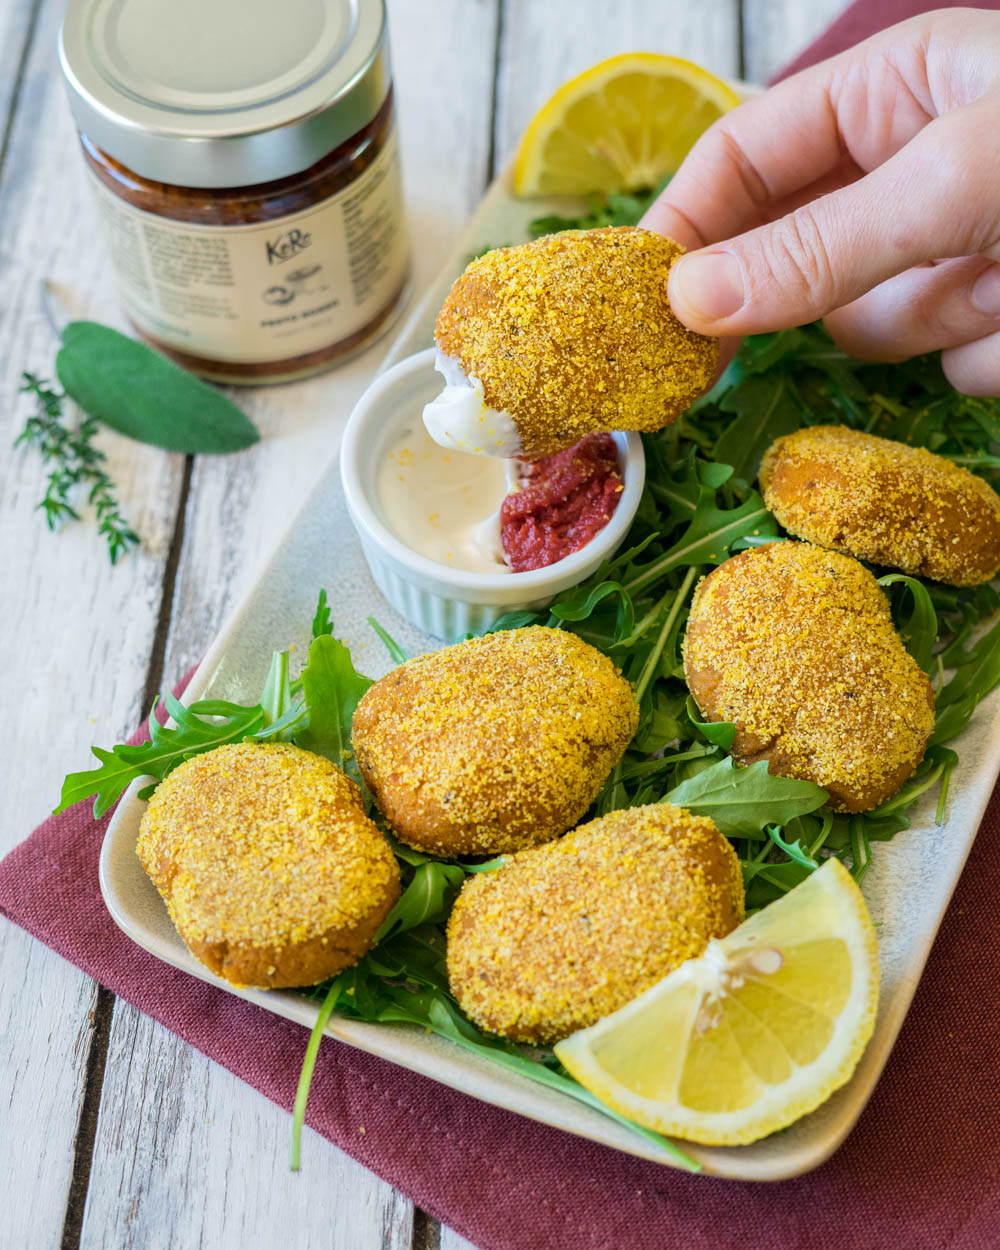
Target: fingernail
(986, 292)
(711, 285)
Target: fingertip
(974, 368)
(706, 289)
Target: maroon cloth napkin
(921, 1169)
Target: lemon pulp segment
(754, 1033)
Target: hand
(865, 190)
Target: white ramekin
(449, 603)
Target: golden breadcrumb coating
(271, 871)
(795, 645)
(493, 744)
(574, 333)
(884, 501)
(561, 935)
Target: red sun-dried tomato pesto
(563, 502)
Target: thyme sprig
(76, 462)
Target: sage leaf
(140, 393)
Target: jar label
(267, 291)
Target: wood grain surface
(115, 1134)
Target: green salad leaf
(322, 624)
(332, 689)
(396, 652)
(199, 727)
(919, 629)
(743, 801)
(426, 900)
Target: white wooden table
(112, 1132)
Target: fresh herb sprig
(77, 464)
(125, 385)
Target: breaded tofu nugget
(494, 744)
(563, 337)
(270, 869)
(561, 935)
(796, 647)
(885, 502)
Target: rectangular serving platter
(907, 888)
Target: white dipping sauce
(442, 503)
(461, 418)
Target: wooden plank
(17, 20)
(544, 44)
(776, 31)
(177, 1135)
(77, 632)
(187, 1155)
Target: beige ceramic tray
(907, 888)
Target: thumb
(932, 199)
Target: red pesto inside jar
(563, 502)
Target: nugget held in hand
(796, 647)
(544, 343)
(886, 502)
(270, 869)
(494, 744)
(561, 935)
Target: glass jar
(249, 188)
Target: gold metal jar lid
(223, 93)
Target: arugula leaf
(333, 689)
(793, 850)
(514, 620)
(411, 988)
(580, 604)
(742, 801)
(616, 209)
(708, 538)
(919, 630)
(443, 1019)
(721, 733)
(426, 900)
(486, 865)
(276, 700)
(766, 409)
(193, 735)
(663, 720)
(140, 393)
(322, 624)
(396, 652)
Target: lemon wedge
(748, 1037)
(620, 125)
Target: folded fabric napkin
(921, 1169)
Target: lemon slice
(757, 1031)
(620, 125)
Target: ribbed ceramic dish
(450, 603)
(907, 888)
